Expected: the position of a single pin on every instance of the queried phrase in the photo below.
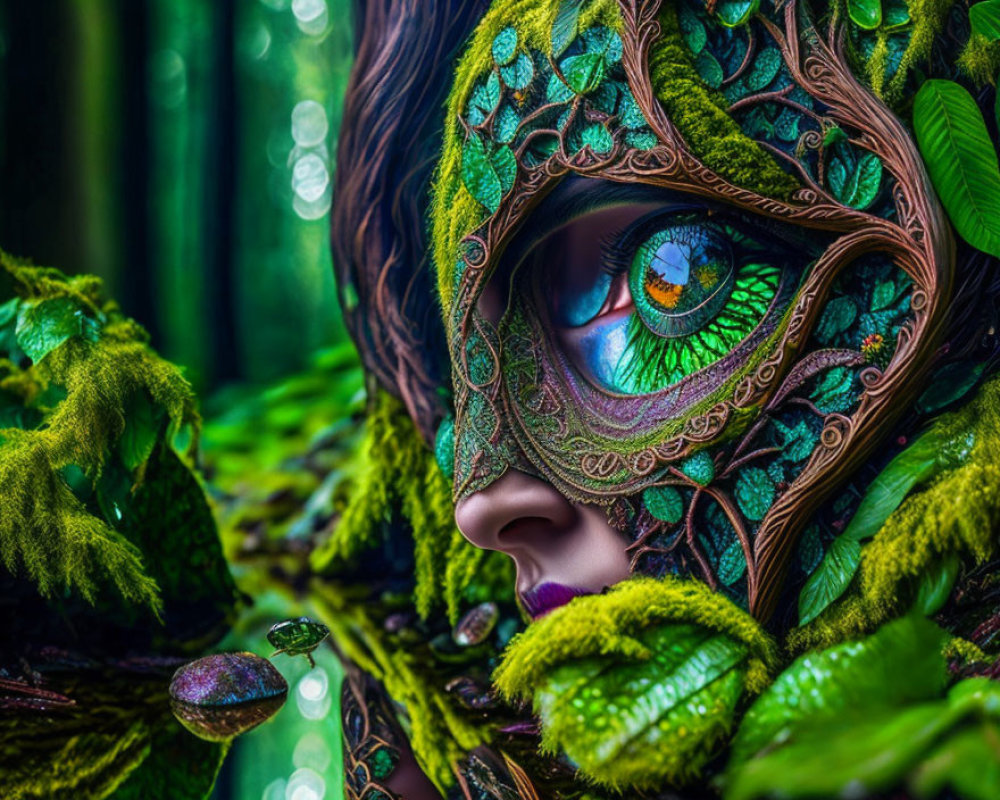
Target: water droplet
(312, 16)
(309, 123)
(305, 784)
(310, 177)
(313, 752)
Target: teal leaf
(8, 326)
(604, 41)
(692, 30)
(641, 139)
(732, 563)
(854, 180)
(519, 74)
(564, 29)
(765, 69)
(810, 549)
(895, 14)
(597, 138)
(754, 493)
(504, 46)
(584, 73)
(884, 295)
(629, 113)
(505, 124)
(985, 19)
(709, 69)
(556, 91)
(786, 126)
(43, 325)
(866, 14)
(664, 502)
(948, 384)
(830, 579)
(733, 13)
(484, 99)
(699, 468)
(838, 315)
(961, 160)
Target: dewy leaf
(865, 14)
(985, 19)
(830, 579)
(671, 709)
(732, 13)
(44, 325)
(899, 664)
(564, 28)
(961, 160)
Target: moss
(964, 652)
(607, 625)
(44, 527)
(980, 60)
(396, 474)
(700, 115)
(957, 513)
(439, 734)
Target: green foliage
(673, 708)
(664, 502)
(985, 19)
(854, 179)
(950, 383)
(505, 46)
(699, 468)
(754, 493)
(865, 14)
(487, 173)
(866, 718)
(671, 656)
(931, 453)
(565, 26)
(961, 160)
(92, 369)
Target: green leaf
(732, 563)
(8, 325)
(45, 324)
(709, 69)
(564, 29)
(143, 422)
(884, 295)
(966, 763)
(854, 180)
(765, 69)
(754, 493)
(504, 46)
(948, 384)
(936, 585)
(487, 176)
(664, 502)
(865, 14)
(641, 139)
(838, 315)
(605, 41)
(519, 74)
(895, 14)
(732, 13)
(671, 709)
(584, 73)
(961, 160)
(985, 19)
(901, 663)
(830, 579)
(556, 91)
(629, 113)
(505, 124)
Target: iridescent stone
(475, 626)
(297, 636)
(221, 696)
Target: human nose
(510, 513)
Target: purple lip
(549, 596)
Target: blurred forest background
(182, 150)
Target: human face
(700, 347)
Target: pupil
(684, 275)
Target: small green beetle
(297, 637)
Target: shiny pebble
(476, 625)
(221, 696)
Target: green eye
(681, 278)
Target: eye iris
(680, 278)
